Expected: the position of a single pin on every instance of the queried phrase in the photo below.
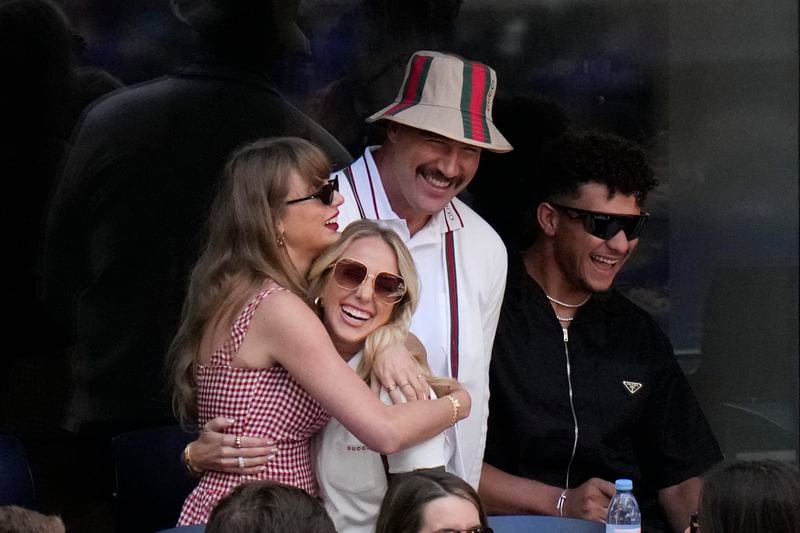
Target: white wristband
(561, 501)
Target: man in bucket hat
(437, 127)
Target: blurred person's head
(15, 519)
(260, 30)
(36, 46)
(750, 497)
(269, 507)
(430, 501)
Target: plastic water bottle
(623, 511)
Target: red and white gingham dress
(264, 402)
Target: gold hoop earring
(318, 301)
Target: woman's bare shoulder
(280, 305)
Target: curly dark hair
(575, 158)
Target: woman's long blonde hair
(396, 329)
(242, 249)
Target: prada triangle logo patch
(632, 386)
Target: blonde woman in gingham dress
(274, 214)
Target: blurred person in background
(367, 51)
(44, 90)
(126, 217)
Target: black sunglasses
(606, 225)
(325, 194)
(350, 274)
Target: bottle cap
(623, 484)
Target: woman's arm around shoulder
(293, 337)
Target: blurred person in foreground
(585, 386)
(269, 507)
(431, 502)
(15, 519)
(761, 496)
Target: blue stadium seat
(16, 482)
(199, 528)
(151, 480)
(542, 524)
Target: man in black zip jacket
(584, 385)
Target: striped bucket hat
(448, 95)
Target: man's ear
(392, 129)
(547, 219)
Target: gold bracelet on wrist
(456, 404)
(187, 462)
